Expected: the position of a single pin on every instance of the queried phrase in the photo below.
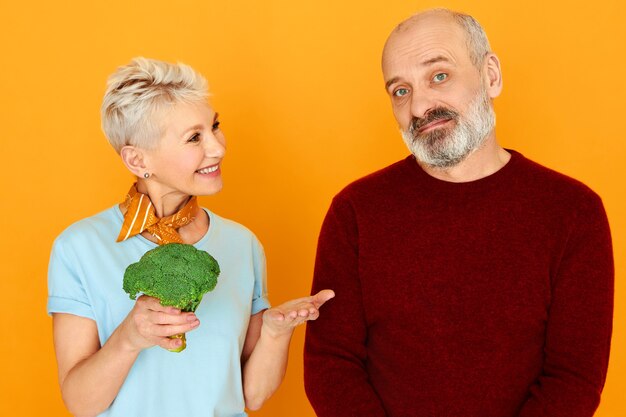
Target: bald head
(475, 37)
(441, 77)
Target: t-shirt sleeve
(260, 301)
(66, 292)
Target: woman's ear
(134, 159)
(492, 75)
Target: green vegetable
(177, 274)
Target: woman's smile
(212, 170)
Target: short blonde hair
(136, 93)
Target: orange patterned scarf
(140, 215)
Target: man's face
(438, 96)
(446, 147)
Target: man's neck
(481, 163)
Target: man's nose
(421, 104)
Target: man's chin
(444, 163)
(430, 149)
(439, 160)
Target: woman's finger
(274, 315)
(154, 304)
(321, 297)
(169, 344)
(164, 330)
(161, 317)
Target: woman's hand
(149, 324)
(281, 320)
(267, 345)
(90, 376)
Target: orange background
(302, 103)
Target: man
(469, 280)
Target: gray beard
(447, 147)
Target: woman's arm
(90, 376)
(266, 348)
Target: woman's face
(188, 157)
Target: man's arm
(578, 333)
(335, 375)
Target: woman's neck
(165, 203)
(189, 233)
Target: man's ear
(134, 159)
(492, 75)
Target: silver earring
(146, 175)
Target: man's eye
(216, 125)
(194, 138)
(440, 77)
(401, 92)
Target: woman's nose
(215, 145)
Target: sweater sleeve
(335, 376)
(578, 332)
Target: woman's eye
(216, 125)
(194, 138)
(401, 92)
(440, 77)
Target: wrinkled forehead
(426, 37)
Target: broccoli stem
(181, 347)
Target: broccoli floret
(177, 274)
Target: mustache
(438, 113)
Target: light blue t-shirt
(85, 279)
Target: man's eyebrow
(391, 81)
(430, 61)
(435, 60)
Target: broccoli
(177, 274)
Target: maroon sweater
(491, 298)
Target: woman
(157, 118)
